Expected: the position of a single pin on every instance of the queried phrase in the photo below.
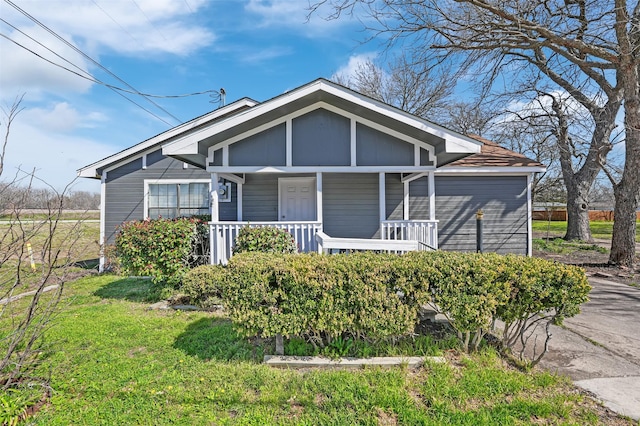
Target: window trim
(148, 182)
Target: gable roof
(190, 142)
(193, 148)
(94, 170)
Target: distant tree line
(12, 195)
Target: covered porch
(325, 212)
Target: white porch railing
(327, 243)
(423, 231)
(223, 236)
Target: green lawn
(599, 229)
(119, 363)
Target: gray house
(327, 164)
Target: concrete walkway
(600, 348)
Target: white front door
(297, 199)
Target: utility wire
(49, 30)
(87, 78)
(114, 20)
(86, 75)
(149, 20)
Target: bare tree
(422, 89)
(588, 48)
(35, 260)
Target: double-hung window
(176, 199)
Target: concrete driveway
(600, 348)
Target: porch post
(214, 197)
(103, 225)
(405, 204)
(382, 201)
(432, 196)
(319, 197)
(213, 235)
(529, 213)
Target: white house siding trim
(288, 121)
(353, 142)
(382, 191)
(454, 142)
(432, 195)
(405, 200)
(103, 222)
(529, 216)
(319, 197)
(323, 169)
(289, 142)
(154, 143)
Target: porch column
(319, 197)
(214, 244)
(382, 200)
(432, 195)
(214, 197)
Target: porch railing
(423, 231)
(224, 236)
(326, 244)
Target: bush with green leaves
(164, 249)
(265, 239)
(323, 298)
(204, 285)
(541, 293)
(468, 289)
(377, 296)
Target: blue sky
(253, 48)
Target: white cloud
(355, 63)
(294, 14)
(42, 139)
(143, 26)
(22, 71)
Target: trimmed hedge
(323, 297)
(377, 296)
(164, 249)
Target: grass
(560, 246)
(116, 362)
(599, 229)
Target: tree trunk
(578, 212)
(627, 191)
(623, 243)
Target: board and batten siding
(350, 205)
(260, 196)
(124, 192)
(503, 200)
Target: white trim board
(454, 142)
(287, 120)
(154, 143)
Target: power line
(149, 20)
(88, 75)
(114, 20)
(49, 30)
(87, 78)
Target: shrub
(468, 290)
(204, 285)
(161, 248)
(327, 299)
(541, 293)
(322, 298)
(265, 239)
